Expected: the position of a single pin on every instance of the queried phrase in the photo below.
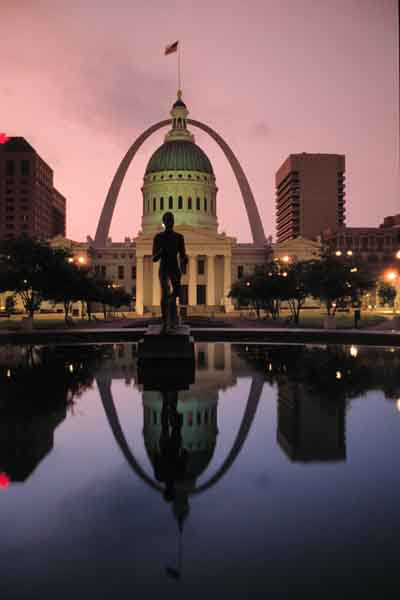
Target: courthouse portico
(208, 277)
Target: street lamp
(349, 252)
(338, 253)
(391, 276)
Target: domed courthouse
(179, 178)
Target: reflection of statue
(166, 247)
(170, 462)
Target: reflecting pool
(266, 469)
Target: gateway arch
(253, 399)
(103, 227)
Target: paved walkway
(114, 334)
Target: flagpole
(179, 65)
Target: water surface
(274, 472)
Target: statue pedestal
(174, 346)
(166, 360)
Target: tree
(336, 281)
(296, 286)
(10, 304)
(387, 293)
(26, 268)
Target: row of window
(11, 167)
(365, 243)
(163, 204)
(180, 176)
(102, 270)
(205, 417)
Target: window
(180, 175)
(121, 272)
(240, 271)
(197, 203)
(200, 266)
(154, 204)
(205, 204)
(133, 272)
(170, 202)
(25, 167)
(10, 167)
(161, 203)
(189, 203)
(189, 176)
(180, 202)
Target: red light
(3, 138)
(4, 481)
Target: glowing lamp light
(284, 274)
(398, 404)
(349, 252)
(3, 138)
(353, 270)
(398, 254)
(4, 481)
(8, 373)
(338, 253)
(70, 260)
(391, 275)
(248, 283)
(71, 368)
(81, 260)
(286, 259)
(338, 375)
(353, 351)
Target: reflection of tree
(36, 387)
(329, 373)
(313, 386)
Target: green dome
(179, 155)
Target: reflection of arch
(104, 385)
(103, 227)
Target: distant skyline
(80, 81)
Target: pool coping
(214, 334)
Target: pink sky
(81, 80)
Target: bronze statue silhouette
(167, 245)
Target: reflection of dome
(199, 430)
(179, 155)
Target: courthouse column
(139, 285)
(192, 280)
(156, 301)
(227, 274)
(210, 280)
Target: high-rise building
(29, 203)
(309, 195)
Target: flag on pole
(171, 48)
(3, 138)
